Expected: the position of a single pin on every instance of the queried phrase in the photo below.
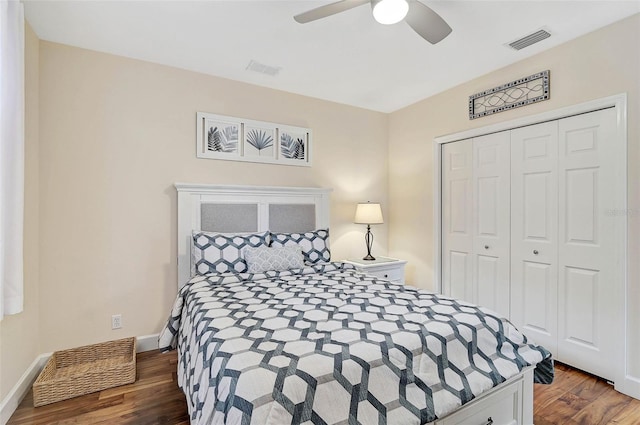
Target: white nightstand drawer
(385, 268)
(393, 274)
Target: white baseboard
(147, 343)
(22, 387)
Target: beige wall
(19, 333)
(116, 134)
(600, 64)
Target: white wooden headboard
(244, 209)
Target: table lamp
(368, 213)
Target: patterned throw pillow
(222, 252)
(315, 245)
(262, 259)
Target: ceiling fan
(421, 18)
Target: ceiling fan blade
(328, 10)
(427, 23)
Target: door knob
(535, 252)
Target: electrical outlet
(116, 321)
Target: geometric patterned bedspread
(328, 345)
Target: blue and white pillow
(315, 245)
(262, 259)
(223, 252)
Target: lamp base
(368, 237)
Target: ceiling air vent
(530, 39)
(262, 68)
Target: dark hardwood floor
(153, 399)
(579, 398)
(574, 398)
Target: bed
(285, 336)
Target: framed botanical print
(239, 139)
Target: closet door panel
(488, 283)
(491, 198)
(457, 234)
(537, 309)
(534, 232)
(587, 304)
(457, 275)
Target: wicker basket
(84, 370)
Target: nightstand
(386, 268)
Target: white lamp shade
(368, 213)
(389, 12)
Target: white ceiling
(346, 58)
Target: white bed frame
(510, 403)
(192, 196)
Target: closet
(526, 233)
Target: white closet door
(534, 232)
(587, 306)
(457, 234)
(491, 206)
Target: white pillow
(262, 259)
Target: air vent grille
(262, 68)
(530, 39)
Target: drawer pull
(386, 275)
(535, 252)
(489, 421)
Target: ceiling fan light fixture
(389, 12)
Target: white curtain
(11, 155)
